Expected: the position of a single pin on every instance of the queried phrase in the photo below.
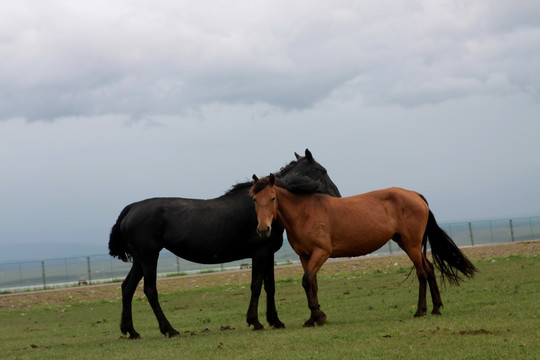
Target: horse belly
(360, 238)
(205, 243)
(208, 247)
(357, 246)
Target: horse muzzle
(265, 232)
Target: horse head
(307, 167)
(264, 198)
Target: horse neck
(289, 207)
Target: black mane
(301, 185)
(285, 170)
(295, 184)
(240, 187)
(301, 176)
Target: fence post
(530, 225)
(511, 230)
(491, 231)
(112, 269)
(43, 273)
(470, 232)
(178, 265)
(20, 274)
(66, 268)
(390, 247)
(89, 270)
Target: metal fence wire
(78, 271)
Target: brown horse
(320, 226)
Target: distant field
(369, 302)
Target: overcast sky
(105, 103)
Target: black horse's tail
(447, 256)
(117, 243)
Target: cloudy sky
(105, 103)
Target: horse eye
(273, 199)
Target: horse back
(392, 205)
(363, 223)
(204, 231)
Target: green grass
(370, 316)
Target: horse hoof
(128, 329)
(173, 333)
(321, 320)
(309, 323)
(436, 312)
(277, 324)
(420, 314)
(257, 327)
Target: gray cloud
(130, 58)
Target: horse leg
(150, 290)
(311, 266)
(257, 273)
(415, 254)
(129, 285)
(309, 282)
(270, 289)
(416, 257)
(433, 288)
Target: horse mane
(285, 170)
(259, 185)
(289, 178)
(296, 184)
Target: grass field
(370, 309)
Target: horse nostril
(264, 232)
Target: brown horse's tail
(447, 256)
(117, 243)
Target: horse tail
(117, 243)
(446, 254)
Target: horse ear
(308, 155)
(297, 156)
(255, 178)
(272, 179)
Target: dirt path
(112, 292)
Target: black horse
(204, 231)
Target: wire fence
(78, 271)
